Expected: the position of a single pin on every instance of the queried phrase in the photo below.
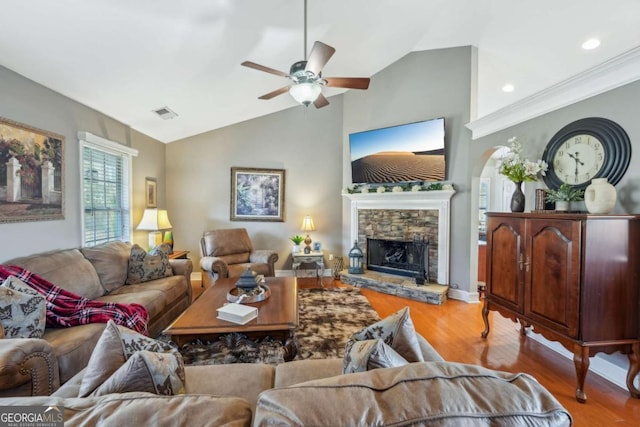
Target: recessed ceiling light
(508, 88)
(591, 44)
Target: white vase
(295, 249)
(600, 196)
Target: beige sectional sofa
(39, 366)
(316, 393)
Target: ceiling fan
(306, 76)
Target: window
(106, 189)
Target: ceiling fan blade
(348, 82)
(263, 68)
(321, 101)
(275, 93)
(319, 56)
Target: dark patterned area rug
(327, 318)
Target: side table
(178, 255)
(315, 257)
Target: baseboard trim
(466, 296)
(598, 365)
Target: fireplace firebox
(402, 257)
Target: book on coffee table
(237, 313)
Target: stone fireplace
(403, 217)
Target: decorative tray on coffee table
(257, 294)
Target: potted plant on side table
(564, 195)
(296, 243)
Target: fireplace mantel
(439, 200)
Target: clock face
(589, 148)
(578, 159)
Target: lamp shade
(154, 220)
(307, 224)
(305, 93)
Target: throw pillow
(114, 347)
(158, 373)
(22, 310)
(396, 331)
(145, 266)
(111, 262)
(371, 354)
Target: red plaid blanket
(65, 308)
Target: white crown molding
(616, 72)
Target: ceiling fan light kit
(305, 93)
(306, 76)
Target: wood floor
(454, 330)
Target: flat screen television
(404, 153)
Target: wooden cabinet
(574, 278)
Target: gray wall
(307, 144)
(29, 103)
(420, 86)
(619, 105)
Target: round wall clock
(585, 149)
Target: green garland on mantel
(399, 187)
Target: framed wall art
(257, 194)
(151, 192)
(31, 173)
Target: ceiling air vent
(165, 113)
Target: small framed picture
(317, 246)
(151, 192)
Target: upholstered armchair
(229, 252)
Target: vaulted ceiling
(126, 58)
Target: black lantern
(355, 259)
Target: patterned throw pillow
(396, 331)
(144, 266)
(366, 355)
(158, 373)
(22, 310)
(116, 345)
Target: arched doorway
(490, 192)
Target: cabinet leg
(634, 368)
(485, 318)
(523, 327)
(581, 362)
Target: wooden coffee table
(277, 315)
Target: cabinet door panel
(552, 285)
(504, 275)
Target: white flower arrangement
(518, 169)
(381, 189)
(397, 189)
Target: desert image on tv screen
(412, 152)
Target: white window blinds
(106, 190)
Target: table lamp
(154, 221)
(307, 226)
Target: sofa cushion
(22, 310)
(155, 295)
(68, 269)
(396, 331)
(427, 393)
(115, 346)
(145, 409)
(144, 266)
(158, 373)
(73, 346)
(371, 354)
(111, 261)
